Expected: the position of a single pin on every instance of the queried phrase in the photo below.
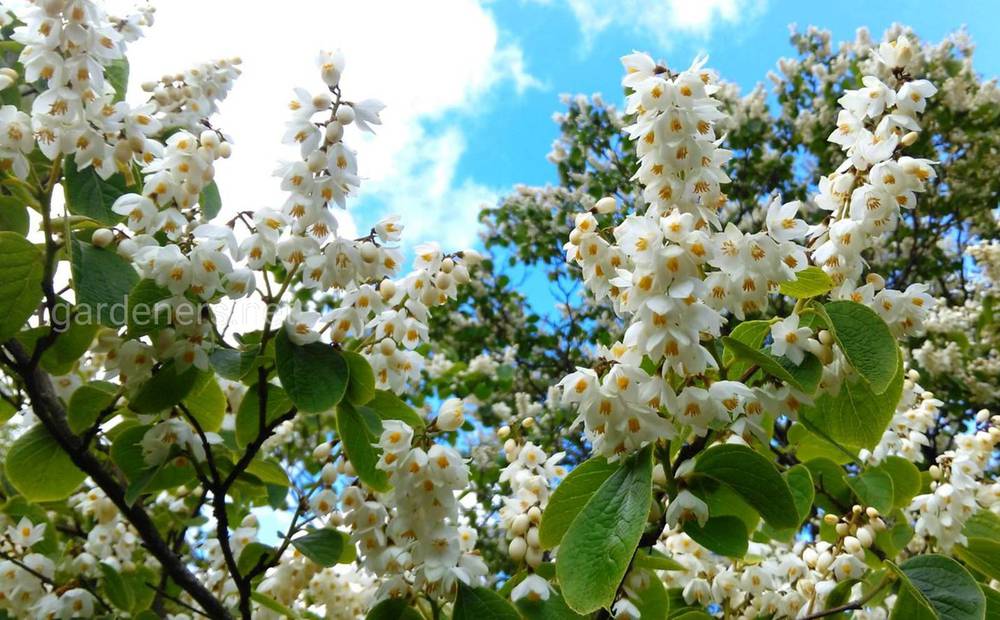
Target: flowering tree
(749, 444)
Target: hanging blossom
(960, 488)
(672, 271)
(411, 536)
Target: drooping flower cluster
(530, 473)
(69, 47)
(185, 99)
(410, 536)
(959, 489)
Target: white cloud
(663, 20)
(430, 62)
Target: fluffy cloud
(663, 20)
(431, 63)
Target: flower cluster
(958, 489)
(530, 473)
(70, 46)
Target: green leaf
(357, 444)
(723, 501)
(750, 333)
(20, 282)
(596, 551)
(905, 479)
(102, 281)
(722, 535)
(992, 603)
(808, 445)
(87, 402)
(809, 282)
(39, 469)
(314, 376)
(945, 585)
(90, 195)
(571, 496)
(481, 604)
(210, 200)
(388, 406)
(117, 589)
(143, 316)
(13, 215)
(233, 364)
(117, 75)
(652, 601)
(207, 402)
(273, 605)
(983, 524)
(982, 554)
(866, 342)
(268, 472)
(808, 374)
(253, 554)
(873, 488)
(393, 609)
(656, 560)
(361, 382)
(828, 477)
(164, 389)
(763, 359)
(553, 608)
(754, 478)
(326, 547)
(856, 416)
(800, 483)
(248, 415)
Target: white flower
(532, 588)
(25, 534)
(789, 339)
(451, 415)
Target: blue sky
(471, 85)
(507, 144)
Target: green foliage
(572, 494)
(935, 586)
(481, 604)
(866, 341)
(326, 547)
(724, 535)
(102, 280)
(597, 548)
(300, 367)
(754, 479)
(20, 282)
(809, 282)
(39, 468)
(89, 195)
(357, 439)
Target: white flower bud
(387, 347)
(472, 257)
(520, 525)
(517, 548)
(852, 544)
(528, 422)
(322, 101)
(102, 238)
(503, 432)
(345, 115)
(451, 415)
(334, 132)
(321, 452)
(387, 289)
(535, 514)
(369, 252)
(909, 138)
(329, 474)
(461, 274)
(209, 139)
(225, 150)
(316, 161)
(534, 557)
(532, 537)
(606, 205)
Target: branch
(51, 413)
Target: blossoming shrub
(147, 434)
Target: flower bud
(461, 274)
(517, 548)
(369, 252)
(535, 514)
(387, 289)
(528, 422)
(345, 115)
(321, 101)
(472, 257)
(520, 525)
(334, 132)
(225, 150)
(249, 521)
(387, 347)
(532, 537)
(451, 415)
(103, 237)
(534, 557)
(209, 139)
(606, 205)
(503, 432)
(329, 474)
(321, 452)
(909, 139)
